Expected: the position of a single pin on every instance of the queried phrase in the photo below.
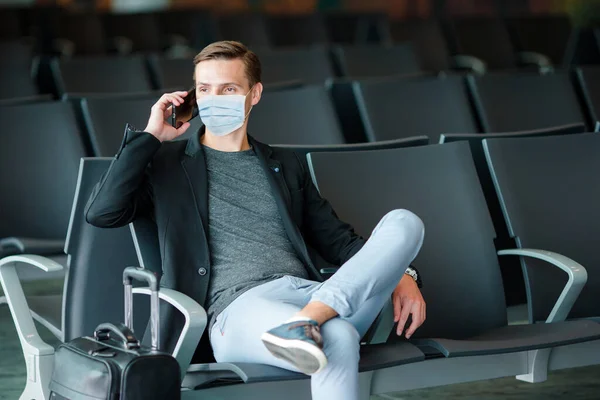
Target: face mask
(222, 114)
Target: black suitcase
(113, 365)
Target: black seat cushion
(372, 357)
(515, 338)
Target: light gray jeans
(357, 292)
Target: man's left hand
(407, 300)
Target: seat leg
(364, 385)
(537, 366)
(39, 372)
(39, 355)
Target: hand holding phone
(185, 111)
(160, 124)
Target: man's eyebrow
(221, 84)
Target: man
(237, 221)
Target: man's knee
(405, 220)
(341, 340)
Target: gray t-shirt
(247, 240)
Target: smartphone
(186, 111)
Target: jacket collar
(194, 146)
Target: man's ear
(256, 93)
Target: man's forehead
(221, 71)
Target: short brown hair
(230, 50)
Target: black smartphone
(186, 111)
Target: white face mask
(223, 114)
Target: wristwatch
(413, 273)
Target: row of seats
(440, 44)
(535, 179)
(59, 133)
(368, 110)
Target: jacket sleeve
(334, 239)
(124, 192)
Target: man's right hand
(158, 125)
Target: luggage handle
(121, 332)
(141, 274)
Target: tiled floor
(580, 383)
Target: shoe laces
(311, 331)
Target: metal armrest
(537, 59)
(39, 355)
(577, 278)
(21, 245)
(193, 328)
(473, 63)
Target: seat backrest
(287, 30)
(105, 118)
(376, 61)
(299, 116)
(475, 141)
(17, 65)
(588, 79)
(16, 81)
(143, 30)
(194, 25)
(393, 109)
(97, 257)
(85, 31)
(439, 184)
(544, 34)
(486, 38)
(250, 29)
(428, 42)
(357, 28)
(11, 23)
(525, 101)
(307, 65)
(549, 191)
(39, 159)
(172, 73)
(101, 75)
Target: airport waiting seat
(127, 74)
(549, 197)
(427, 39)
(509, 102)
(357, 28)
(298, 116)
(35, 203)
(357, 62)
(487, 38)
(465, 316)
(18, 70)
(544, 34)
(289, 30)
(511, 272)
(484, 37)
(134, 32)
(306, 65)
(96, 259)
(248, 28)
(397, 108)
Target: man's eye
(203, 90)
(230, 89)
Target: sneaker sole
(306, 357)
